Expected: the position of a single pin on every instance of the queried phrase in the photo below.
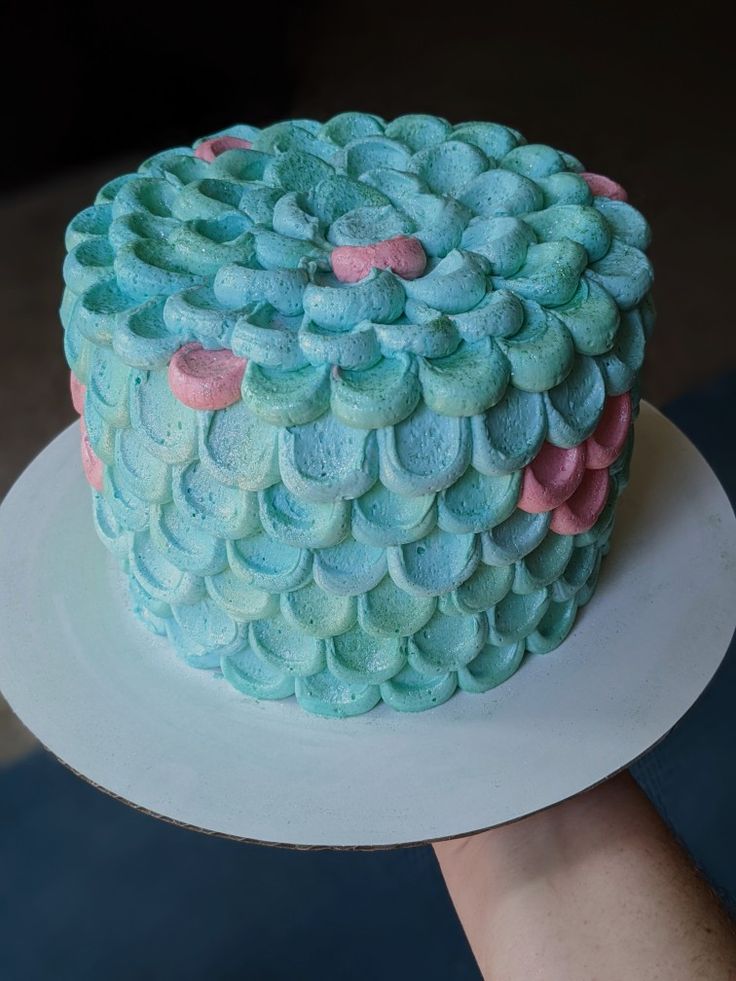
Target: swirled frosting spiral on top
(357, 398)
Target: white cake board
(115, 705)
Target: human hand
(593, 888)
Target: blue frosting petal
(356, 658)
(544, 564)
(387, 611)
(317, 613)
(487, 586)
(226, 590)
(409, 691)
(220, 510)
(237, 285)
(502, 241)
(363, 226)
(381, 518)
(417, 130)
(250, 674)
(625, 272)
(238, 448)
(501, 192)
(327, 461)
(381, 395)
(436, 564)
(379, 297)
(286, 649)
(455, 284)
(533, 160)
(550, 274)
(575, 406)
(477, 502)
(168, 428)
(508, 436)
(292, 521)
(268, 564)
(447, 167)
(323, 694)
(491, 667)
(424, 454)
(350, 568)
(187, 547)
(514, 538)
(553, 628)
(286, 398)
(467, 382)
(515, 617)
(447, 643)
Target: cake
(357, 399)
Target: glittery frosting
(357, 399)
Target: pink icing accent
(78, 391)
(91, 463)
(551, 478)
(581, 511)
(403, 255)
(205, 379)
(209, 149)
(610, 434)
(604, 187)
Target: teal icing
(516, 616)
(323, 694)
(358, 658)
(437, 564)
(447, 643)
(410, 691)
(514, 538)
(255, 677)
(269, 564)
(387, 611)
(348, 531)
(326, 460)
(227, 592)
(491, 667)
(576, 404)
(508, 436)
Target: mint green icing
(348, 531)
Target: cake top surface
(362, 269)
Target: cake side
(357, 399)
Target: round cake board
(114, 704)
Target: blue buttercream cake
(357, 399)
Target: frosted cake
(357, 399)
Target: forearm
(592, 888)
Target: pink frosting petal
(553, 475)
(604, 187)
(91, 463)
(205, 379)
(78, 391)
(403, 255)
(581, 511)
(610, 434)
(209, 149)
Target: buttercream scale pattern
(357, 399)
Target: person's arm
(594, 888)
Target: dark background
(91, 889)
(91, 90)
